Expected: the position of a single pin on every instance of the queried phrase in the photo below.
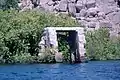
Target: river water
(94, 70)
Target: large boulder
(72, 8)
(58, 57)
(92, 12)
(73, 1)
(107, 9)
(105, 24)
(79, 5)
(91, 24)
(82, 13)
(26, 5)
(47, 7)
(114, 17)
(44, 1)
(101, 15)
(82, 23)
(63, 5)
(50, 3)
(90, 3)
(106, 2)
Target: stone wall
(50, 38)
(90, 13)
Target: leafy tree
(8, 4)
(20, 33)
(99, 46)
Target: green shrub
(100, 47)
(64, 46)
(20, 32)
(8, 4)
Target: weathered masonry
(77, 35)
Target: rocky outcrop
(90, 13)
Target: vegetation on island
(100, 46)
(8, 4)
(20, 33)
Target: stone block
(111, 3)
(81, 45)
(83, 12)
(81, 18)
(82, 23)
(72, 8)
(47, 7)
(90, 29)
(56, 7)
(44, 1)
(90, 3)
(50, 3)
(80, 15)
(77, 15)
(63, 5)
(58, 57)
(79, 5)
(80, 32)
(84, 1)
(114, 17)
(92, 12)
(105, 24)
(82, 51)
(107, 9)
(91, 25)
(81, 39)
(101, 15)
(71, 1)
(91, 19)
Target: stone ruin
(50, 38)
(93, 14)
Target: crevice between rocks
(118, 3)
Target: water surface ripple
(95, 70)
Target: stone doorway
(67, 44)
(75, 39)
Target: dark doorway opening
(67, 44)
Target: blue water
(96, 70)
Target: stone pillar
(52, 37)
(53, 41)
(81, 43)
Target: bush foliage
(64, 46)
(8, 4)
(20, 33)
(100, 47)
